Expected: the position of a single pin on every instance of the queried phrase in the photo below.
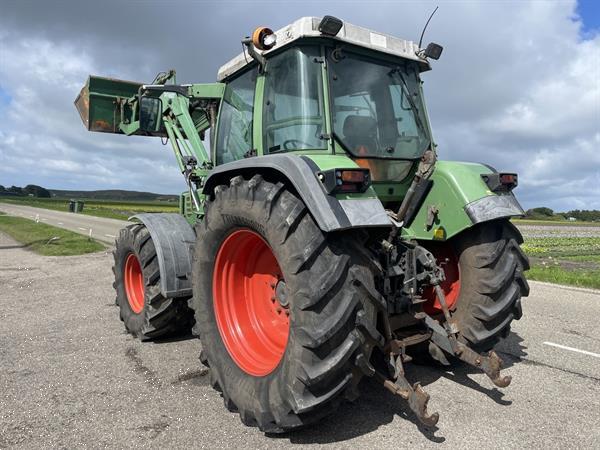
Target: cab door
(234, 134)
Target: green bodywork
(455, 184)
(113, 106)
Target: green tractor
(319, 240)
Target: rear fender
(301, 173)
(173, 239)
(462, 199)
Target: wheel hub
(281, 294)
(250, 302)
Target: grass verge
(39, 237)
(577, 277)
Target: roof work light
(330, 25)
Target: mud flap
(173, 238)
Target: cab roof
(308, 27)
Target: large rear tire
(485, 269)
(146, 313)
(258, 249)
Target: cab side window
(293, 102)
(234, 133)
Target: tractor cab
(319, 86)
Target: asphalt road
(70, 377)
(103, 229)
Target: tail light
(345, 180)
(501, 182)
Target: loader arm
(186, 112)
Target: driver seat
(360, 133)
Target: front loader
(319, 240)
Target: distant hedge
(590, 215)
(29, 190)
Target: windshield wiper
(408, 96)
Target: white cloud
(517, 87)
(43, 140)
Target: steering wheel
(295, 143)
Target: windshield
(377, 107)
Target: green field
(567, 260)
(121, 210)
(47, 240)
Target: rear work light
(501, 182)
(345, 180)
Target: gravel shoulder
(70, 377)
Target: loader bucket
(99, 101)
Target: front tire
(146, 313)
(326, 285)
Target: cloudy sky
(518, 85)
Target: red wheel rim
(446, 257)
(134, 283)
(251, 319)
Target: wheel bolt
(278, 310)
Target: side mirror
(433, 51)
(150, 114)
